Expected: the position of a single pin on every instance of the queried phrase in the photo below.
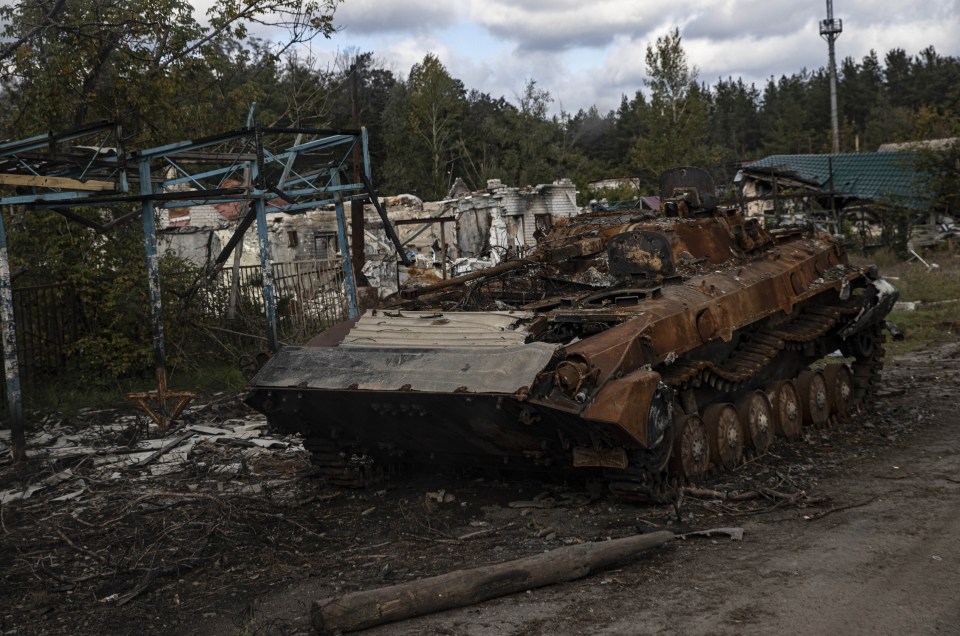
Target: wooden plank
(40, 181)
(360, 610)
(426, 220)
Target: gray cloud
(762, 18)
(395, 16)
(565, 24)
(591, 53)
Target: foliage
(435, 111)
(941, 170)
(109, 274)
(165, 76)
(676, 123)
(148, 63)
(936, 319)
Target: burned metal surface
(640, 347)
(500, 370)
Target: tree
(734, 123)
(435, 106)
(486, 137)
(147, 62)
(940, 177)
(789, 119)
(373, 83)
(533, 151)
(404, 169)
(670, 79)
(151, 66)
(676, 126)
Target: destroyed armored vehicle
(641, 348)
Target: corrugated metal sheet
(432, 330)
(502, 370)
(873, 176)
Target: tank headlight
(570, 376)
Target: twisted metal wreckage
(637, 348)
(271, 169)
(634, 348)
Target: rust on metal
(646, 346)
(162, 406)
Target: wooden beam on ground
(360, 610)
(40, 181)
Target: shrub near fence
(310, 298)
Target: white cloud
(735, 20)
(406, 52)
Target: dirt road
(237, 540)
(882, 557)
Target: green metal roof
(871, 176)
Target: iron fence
(49, 320)
(310, 297)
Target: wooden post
(443, 249)
(361, 610)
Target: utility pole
(829, 30)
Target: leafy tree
(594, 135)
(486, 137)
(941, 177)
(436, 111)
(734, 124)
(147, 62)
(899, 81)
(786, 117)
(632, 121)
(860, 88)
(107, 273)
(150, 65)
(677, 123)
(533, 150)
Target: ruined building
(468, 230)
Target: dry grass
(935, 319)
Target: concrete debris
(127, 448)
(16, 494)
(488, 225)
(918, 304)
(440, 496)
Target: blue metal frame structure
(256, 165)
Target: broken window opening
(326, 245)
(544, 221)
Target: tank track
(739, 371)
(868, 367)
(340, 468)
(648, 477)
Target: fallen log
(360, 610)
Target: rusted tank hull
(446, 406)
(650, 348)
(429, 428)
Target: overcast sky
(592, 52)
